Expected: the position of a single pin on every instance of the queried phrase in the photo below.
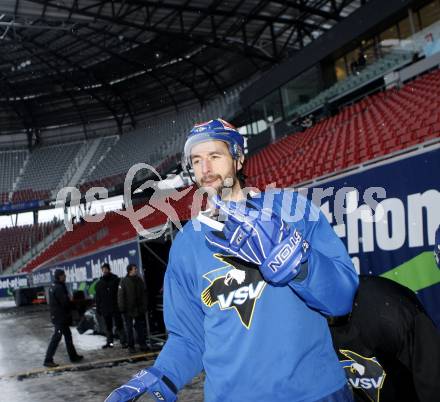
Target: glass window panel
(405, 28)
(301, 89)
(429, 14)
(390, 33)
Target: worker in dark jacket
(388, 346)
(61, 317)
(132, 304)
(107, 305)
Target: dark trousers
(114, 320)
(59, 331)
(140, 327)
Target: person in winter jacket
(61, 317)
(133, 306)
(106, 298)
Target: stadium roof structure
(78, 61)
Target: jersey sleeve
(181, 357)
(327, 281)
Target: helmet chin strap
(188, 170)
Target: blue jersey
(256, 342)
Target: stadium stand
(44, 171)
(155, 143)
(114, 228)
(11, 162)
(16, 241)
(131, 148)
(105, 145)
(378, 125)
(83, 236)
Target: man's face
(62, 278)
(105, 271)
(213, 164)
(133, 271)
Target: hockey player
(246, 303)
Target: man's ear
(240, 162)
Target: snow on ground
(6, 303)
(87, 341)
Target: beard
(216, 183)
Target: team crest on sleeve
(365, 374)
(236, 286)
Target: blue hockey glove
(149, 380)
(284, 262)
(261, 237)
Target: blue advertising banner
(83, 271)
(22, 206)
(9, 283)
(387, 217)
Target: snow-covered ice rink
(25, 333)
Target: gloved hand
(260, 236)
(149, 380)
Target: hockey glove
(261, 237)
(149, 380)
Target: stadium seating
(16, 241)
(114, 228)
(103, 148)
(44, 171)
(83, 236)
(131, 148)
(4, 198)
(158, 142)
(29, 195)
(10, 164)
(378, 125)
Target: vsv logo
(241, 295)
(365, 374)
(235, 286)
(285, 252)
(366, 383)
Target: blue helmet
(216, 129)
